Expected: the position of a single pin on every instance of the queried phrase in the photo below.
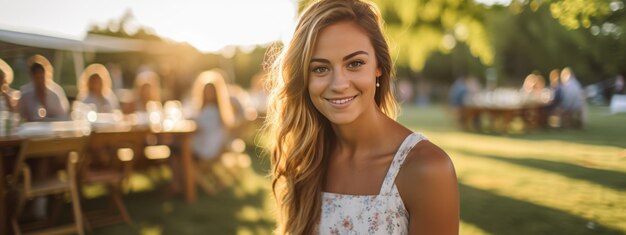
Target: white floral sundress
(370, 214)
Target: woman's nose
(340, 81)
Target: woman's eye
(319, 69)
(355, 64)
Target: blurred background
(534, 153)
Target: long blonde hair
(301, 138)
(214, 77)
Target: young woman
(95, 88)
(341, 164)
(213, 113)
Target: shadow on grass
(226, 212)
(496, 214)
(611, 179)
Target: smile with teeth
(341, 101)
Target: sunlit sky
(208, 25)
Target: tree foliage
(419, 28)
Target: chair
(109, 160)
(27, 187)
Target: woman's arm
(428, 186)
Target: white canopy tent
(91, 43)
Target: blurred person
(555, 86)
(95, 88)
(458, 92)
(8, 95)
(461, 94)
(147, 88)
(529, 83)
(340, 162)
(213, 113)
(533, 88)
(42, 99)
(573, 103)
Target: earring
(377, 84)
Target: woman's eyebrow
(353, 54)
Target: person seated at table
(8, 101)
(533, 89)
(461, 95)
(553, 109)
(214, 116)
(147, 88)
(95, 88)
(573, 103)
(42, 99)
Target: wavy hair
(300, 137)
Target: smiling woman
(341, 164)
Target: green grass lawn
(549, 182)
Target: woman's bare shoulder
(428, 186)
(426, 172)
(427, 159)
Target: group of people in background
(217, 111)
(564, 100)
(565, 97)
(567, 106)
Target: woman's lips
(341, 102)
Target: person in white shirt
(42, 99)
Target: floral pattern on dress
(384, 213)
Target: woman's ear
(378, 72)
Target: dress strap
(398, 159)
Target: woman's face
(95, 84)
(342, 73)
(209, 94)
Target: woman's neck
(360, 133)
(366, 134)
